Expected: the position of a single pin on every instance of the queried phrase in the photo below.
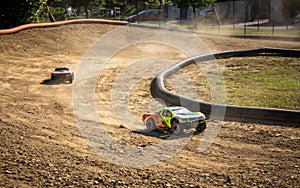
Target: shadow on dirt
(162, 134)
(156, 133)
(53, 82)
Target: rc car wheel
(201, 127)
(176, 128)
(150, 124)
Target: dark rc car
(62, 74)
(175, 119)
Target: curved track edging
(232, 112)
(55, 24)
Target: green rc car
(175, 119)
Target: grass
(272, 82)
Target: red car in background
(148, 15)
(62, 74)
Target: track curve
(232, 112)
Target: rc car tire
(150, 124)
(201, 127)
(176, 128)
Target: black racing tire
(201, 127)
(150, 124)
(176, 128)
(52, 77)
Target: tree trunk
(183, 14)
(86, 12)
(51, 17)
(161, 4)
(194, 12)
(137, 11)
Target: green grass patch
(272, 82)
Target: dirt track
(42, 146)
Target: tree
(144, 4)
(17, 12)
(195, 4)
(89, 4)
(81, 3)
(291, 8)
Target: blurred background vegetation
(18, 12)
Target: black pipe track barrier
(226, 112)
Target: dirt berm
(41, 145)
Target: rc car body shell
(62, 74)
(157, 119)
(167, 116)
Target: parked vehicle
(62, 74)
(297, 19)
(148, 15)
(175, 119)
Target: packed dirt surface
(41, 144)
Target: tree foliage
(291, 8)
(16, 12)
(192, 3)
(195, 4)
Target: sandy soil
(42, 146)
